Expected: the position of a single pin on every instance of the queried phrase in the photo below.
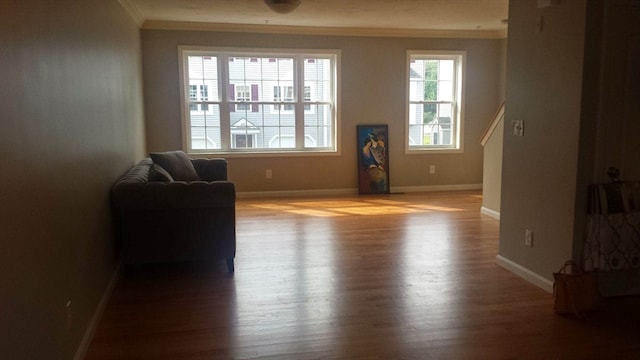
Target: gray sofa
(173, 220)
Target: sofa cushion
(211, 169)
(177, 164)
(158, 173)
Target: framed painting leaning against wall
(373, 159)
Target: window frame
(225, 104)
(458, 103)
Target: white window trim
(184, 51)
(460, 85)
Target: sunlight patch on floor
(434, 208)
(370, 207)
(314, 212)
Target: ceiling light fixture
(283, 6)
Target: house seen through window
(237, 100)
(435, 103)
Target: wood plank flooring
(406, 276)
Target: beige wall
(544, 89)
(492, 170)
(492, 155)
(71, 122)
(573, 85)
(373, 88)
(502, 81)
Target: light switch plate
(518, 127)
(528, 238)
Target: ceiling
(475, 18)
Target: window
(242, 141)
(243, 94)
(283, 94)
(193, 97)
(198, 99)
(307, 98)
(435, 100)
(259, 101)
(243, 134)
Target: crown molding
(133, 11)
(332, 31)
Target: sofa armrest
(211, 169)
(174, 195)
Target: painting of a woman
(373, 159)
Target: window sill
(433, 151)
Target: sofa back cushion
(177, 164)
(158, 173)
(213, 169)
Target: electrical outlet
(432, 169)
(528, 238)
(268, 174)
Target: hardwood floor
(406, 276)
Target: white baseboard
(489, 212)
(97, 315)
(354, 191)
(296, 193)
(430, 188)
(530, 276)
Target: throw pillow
(158, 173)
(177, 164)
